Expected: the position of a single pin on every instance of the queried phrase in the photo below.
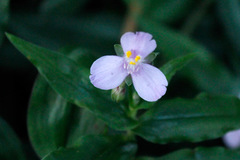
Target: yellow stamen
(128, 53)
(133, 63)
(137, 58)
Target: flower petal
(149, 82)
(232, 139)
(107, 72)
(140, 43)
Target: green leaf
(162, 10)
(118, 49)
(54, 123)
(228, 13)
(71, 81)
(96, 148)
(214, 153)
(10, 146)
(82, 56)
(128, 80)
(167, 11)
(61, 6)
(150, 58)
(205, 72)
(191, 120)
(54, 31)
(4, 16)
(176, 64)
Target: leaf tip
(9, 36)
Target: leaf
(54, 31)
(61, 6)
(205, 72)
(167, 11)
(10, 146)
(176, 64)
(150, 58)
(228, 13)
(4, 16)
(213, 153)
(82, 56)
(54, 123)
(71, 81)
(88, 124)
(191, 120)
(118, 49)
(96, 148)
(128, 80)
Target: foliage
(68, 118)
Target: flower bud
(118, 94)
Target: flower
(232, 139)
(109, 72)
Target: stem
(130, 24)
(130, 97)
(132, 111)
(196, 17)
(134, 10)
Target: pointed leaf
(54, 123)
(118, 49)
(96, 148)
(214, 153)
(190, 120)
(170, 68)
(10, 146)
(71, 81)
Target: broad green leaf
(191, 120)
(71, 81)
(4, 9)
(206, 72)
(162, 10)
(84, 124)
(118, 49)
(54, 31)
(229, 11)
(10, 146)
(54, 123)
(213, 153)
(167, 11)
(176, 64)
(96, 148)
(61, 6)
(84, 57)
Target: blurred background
(209, 28)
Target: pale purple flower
(232, 139)
(109, 72)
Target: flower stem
(134, 10)
(131, 108)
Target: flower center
(131, 63)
